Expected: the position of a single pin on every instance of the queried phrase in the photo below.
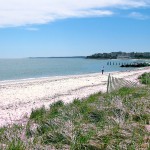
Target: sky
(51, 28)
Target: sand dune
(19, 97)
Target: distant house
(114, 54)
(123, 57)
(146, 54)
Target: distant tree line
(115, 55)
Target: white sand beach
(19, 97)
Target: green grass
(145, 78)
(16, 145)
(38, 114)
(102, 121)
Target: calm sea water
(11, 69)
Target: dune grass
(145, 78)
(102, 121)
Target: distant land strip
(120, 55)
(60, 57)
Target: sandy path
(18, 98)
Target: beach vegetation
(145, 78)
(38, 114)
(16, 145)
(115, 120)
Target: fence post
(108, 82)
(147, 79)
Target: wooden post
(108, 83)
(146, 78)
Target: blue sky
(74, 28)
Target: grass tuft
(145, 78)
(38, 114)
(16, 145)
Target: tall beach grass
(111, 121)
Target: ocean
(12, 69)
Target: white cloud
(31, 29)
(28, 12)
(137, 15)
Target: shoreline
(18, 76)
(19, 97)
(58, 76)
